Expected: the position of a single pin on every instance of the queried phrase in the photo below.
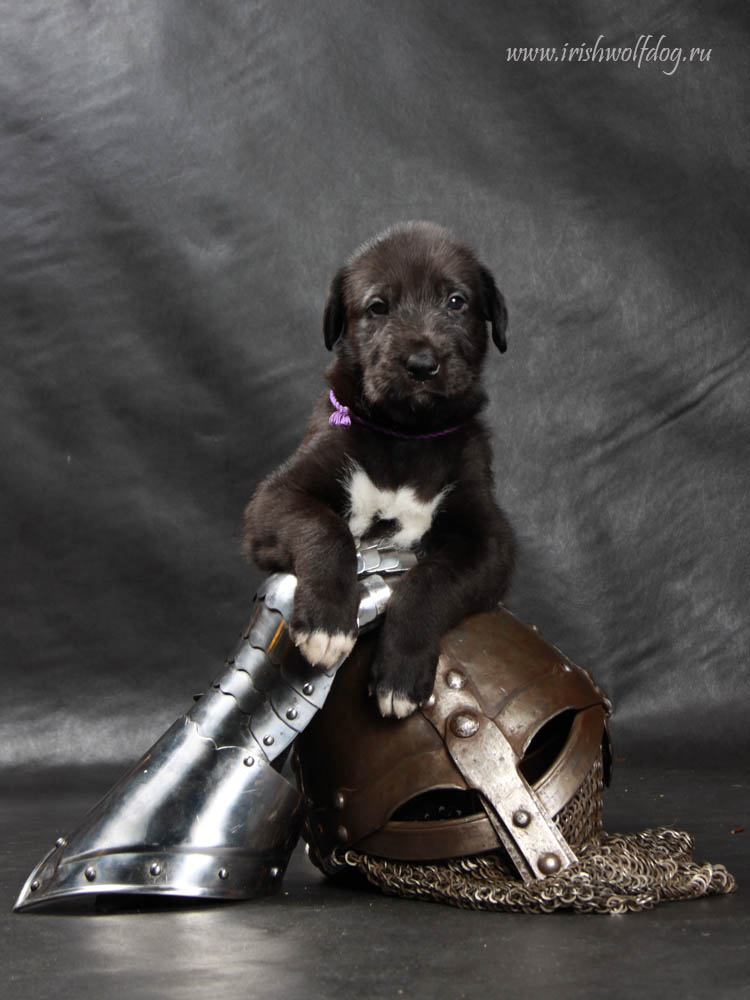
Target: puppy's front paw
(394, 705)
(323, 630)
(323, 649)
(401, 683)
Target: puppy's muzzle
(422, 365)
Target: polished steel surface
(184, 812)
(205, 812)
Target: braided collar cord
(342, 416)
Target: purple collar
(342, 416)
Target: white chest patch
(368, 503)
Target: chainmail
(615, 873)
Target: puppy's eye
(456, 301)
(377, 307)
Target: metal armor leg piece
(206, 812)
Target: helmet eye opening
(455, 803)
(439, 804)
(546, 745)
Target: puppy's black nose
(422, 365)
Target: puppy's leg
(430, 599)
(403, 671)
(465, 575)
(324, 618)
(288, 529)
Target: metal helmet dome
(507, 756)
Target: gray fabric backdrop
(179, 182)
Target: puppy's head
(408, 316)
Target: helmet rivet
(268, 740)
(292, 713)
(455, 680)
(464, 724)
(34, 885)
(521, 817)
(223, 874)
(249, 761)
(549, 864)
(342, 833)
(155, 869)
(90, 874)
(307, 688)
(339, 800)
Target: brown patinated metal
(512, 719)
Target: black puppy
(395, 450)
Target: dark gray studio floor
(316, 940)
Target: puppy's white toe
(403, 706)
(385, 703)
(396, 706)
(322, 649)
(340, 644)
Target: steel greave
(205, 813)
(188, 820)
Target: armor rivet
(155, 869)
(90, 874)
(430, 703)
(455, 680)
(535, 628)
(549, 864)
(268, 740)
(249, 761)
(339, 801)
(464, 724)
(292, 713)
(223, 873)
(34, 885)
(342, 833)
(60, 842)
(521, 817)
(308, 688)
(275, 872)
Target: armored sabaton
(206, 812)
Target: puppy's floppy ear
(334, 317)
(493, 305)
